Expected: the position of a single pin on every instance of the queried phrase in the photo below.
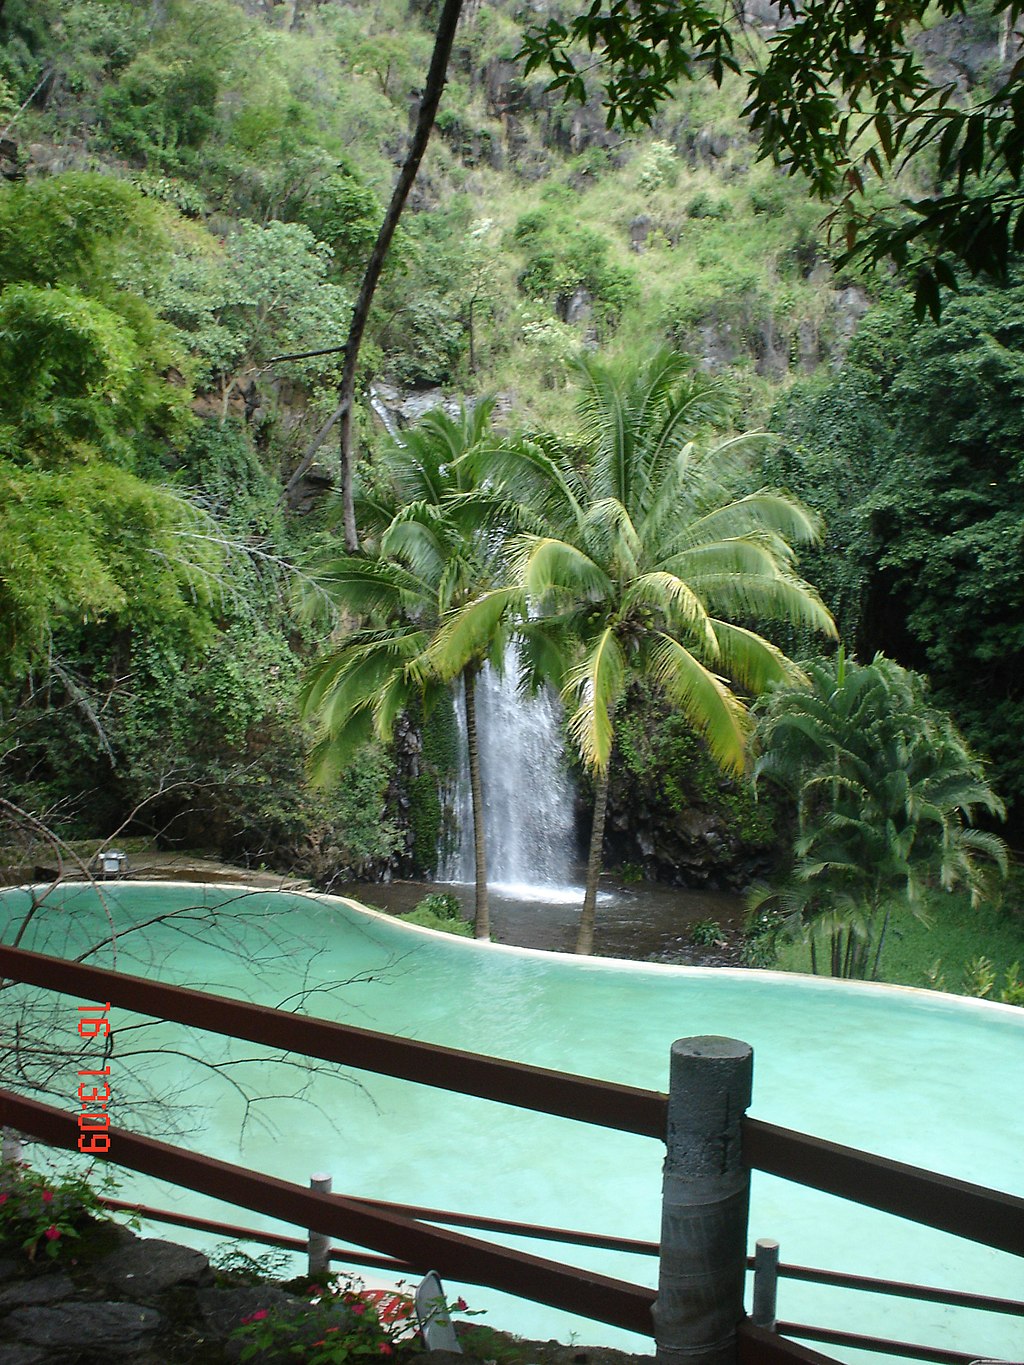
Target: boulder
(150, 1267)
(117, 1329)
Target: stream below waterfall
(641, 922)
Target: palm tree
(432, 527)
(885, 790)
(639, 563)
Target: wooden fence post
(705, 1199)
(319, 1244)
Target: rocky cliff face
(673, 816)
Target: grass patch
(941, 951)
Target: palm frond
(543, 565)
(769, 597)
(468, 632)
(705, 699)
(596, 685)
(751, 660)
(365, 586)
(677, 602)
(757, 513)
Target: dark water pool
(642, 921)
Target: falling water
(528, 797)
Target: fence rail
(458, 1256)
(983, 1215)
(836, 1279)
(527, 1087)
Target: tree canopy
(912, 455)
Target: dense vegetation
(192, 190)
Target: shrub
(42, 1213)
(440, 910)
(706, 932)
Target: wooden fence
(982, 1215)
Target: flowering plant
(42, 1213)
(340, 1323)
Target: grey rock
(152, 1266)
(578, 307)
(763, 14)
(771, 348)
(19, 1354)
(958, 50)
(47, 1289)
(222, 1310)
(116, 1328)
(398, 408)
(850, 306)
(808, 346)
(717, 345)
(639, 231)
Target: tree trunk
(881, 939)
(482, 916)
(585, 935)
(432, 91)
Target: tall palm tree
(431, 526)
(639, 563)
(885, 790)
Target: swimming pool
(929, 1079)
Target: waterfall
(528, 796)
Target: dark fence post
(705, 1199)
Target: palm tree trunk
(482, 916)
(585, 935)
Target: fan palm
(885, 790)
(431, 527)
(639, 563)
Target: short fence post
(10, 1146)
(319, 1244)
(766, 1283)
(705, 1200)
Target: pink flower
(461, 1305)
(258, 1316)
(3, 1198)
(359, 1308)
(52, 1233)
(384, 1349)
(47, 1196)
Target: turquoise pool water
(924, 1078)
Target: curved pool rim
(587, 962)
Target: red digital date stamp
(94, 1120)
